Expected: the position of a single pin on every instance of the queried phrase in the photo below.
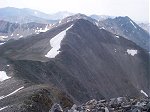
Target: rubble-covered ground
(120, 104)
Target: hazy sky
(136, 9)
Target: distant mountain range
(15, 30)
(26, 15)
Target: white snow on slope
(2, 43)
(96, 23)
(144, 93)
(117, 36)
(44, 30)
(3, 108)
(102, 28)
(4, 96)
(21, 36)
(131, 52)
(132, 24)
(2, 38)
(3, 76)
(55, 44)
(59, 22)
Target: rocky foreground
(120, 104)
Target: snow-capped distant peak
(132, 52)
(144, 93)
(3, 76)
(55, 44)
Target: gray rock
(56, 108)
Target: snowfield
(3, 76)
(131, 52)
(55, 44)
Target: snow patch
(3, 76)
(8, 65)
(43, 30)
(3, 108)
(11, 34)
(133, 24)
(144, 93)
(132, 52)
(17, 34)
(59, 22)
(102, 28)
(2, 43)
(21, 36)
(2, 38)
(55, 44)
(4, 96)
(117, 36)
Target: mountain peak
(75, 18)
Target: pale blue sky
(136, 9)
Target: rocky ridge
(120, 104)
